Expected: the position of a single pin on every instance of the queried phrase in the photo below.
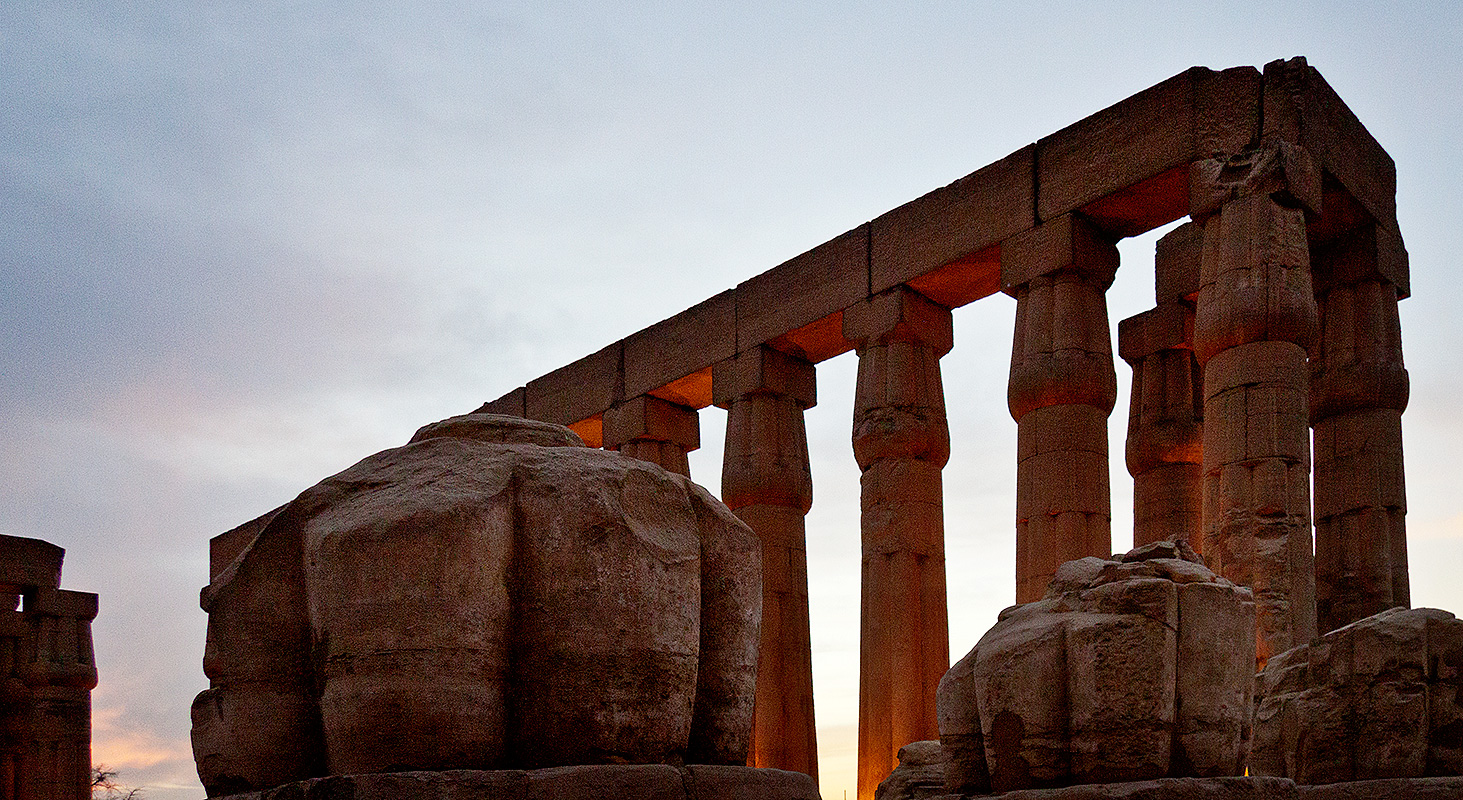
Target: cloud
(126, 749)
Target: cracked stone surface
(1376, 699)
(1129, 669)
(491, 595)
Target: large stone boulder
(491, 595)
(920, 774)
(1128, 669)
(1376, 699)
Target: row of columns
(1229, 375)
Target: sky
(243, 246)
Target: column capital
(1069, 242)
(763, 370)
(1280, 169)
(1255, 277)
(899, 314)
(649, 417)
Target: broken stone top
(491, 595)
(1173, 561)
(499, 429)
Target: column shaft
(1061, 390)
(1164, 425)
(1359, 390)
(766, 481)
(1254, 317)
(901, 442)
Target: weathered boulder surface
(1441, 788)
(587, 782)
(1232, 788)
(921, 773)
(1378, 698)
(491, 595)
(1128, 669)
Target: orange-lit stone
(766, 481)
(901, 441)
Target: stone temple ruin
(48, 670)
(494, 610)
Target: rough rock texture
(587, 782)
(1450, 788)
(1164, 789)
(921, 773)
(490, 595)
(1127, 670)
(1378, 698)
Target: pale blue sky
(243, 246)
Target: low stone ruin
(921, 773)
(491, 596)
(1379, 698)
(1127, 670)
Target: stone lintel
(804, 289)
(682, 345)
(763, 369)
(576, 391)
(1190, 116)
(1299, 106)
(900, 314)
(1069, 242)
(949, 225)
(29, 563)
(647, 417)
(65, 603)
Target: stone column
(1165, 415)
(654, 430)
(1061, 391)
(59, 670)
(901, 442)
(1358, 393)
(1254, 318)
(765, 479)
